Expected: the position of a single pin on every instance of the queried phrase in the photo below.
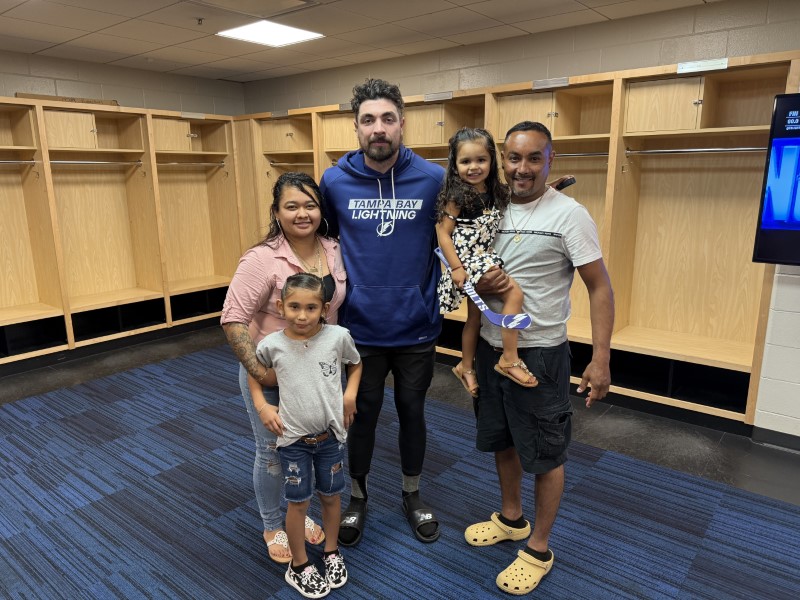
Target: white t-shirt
(555, 234)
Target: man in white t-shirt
(543, 238)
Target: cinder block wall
(130, 87)
(714, 30)
(778, 406)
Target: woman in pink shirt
(295, 243)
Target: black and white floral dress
(473, 238)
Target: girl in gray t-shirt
(311, 422)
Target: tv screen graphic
(778, 234)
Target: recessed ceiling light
(270, 34)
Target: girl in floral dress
(469, 211)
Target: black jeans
(412, 368)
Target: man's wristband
(457, 268)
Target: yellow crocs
(524, 574)
(490, 532)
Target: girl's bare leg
(296, 531)
(469, 343)
(331, 515)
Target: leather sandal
(473, 391)
(504, 370)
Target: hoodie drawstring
(383, 211)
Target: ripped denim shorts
(304, 463)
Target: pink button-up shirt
(258, 282)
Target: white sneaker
(308, 582)
(335, 571)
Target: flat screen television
(778, 232)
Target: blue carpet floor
(138, 485)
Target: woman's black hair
(459, 191)
(299, 181)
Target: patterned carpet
(138, 485)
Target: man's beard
(524, 193)
(380, 153)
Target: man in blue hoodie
(380, 200)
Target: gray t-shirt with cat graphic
(310, 379)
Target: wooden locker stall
(287, 144)
(197, 196)
(430, 125)
(108, 231)
(116, 221)
(32, 320)
(253, 188)
(691, 161)
(506, 109)
(581, 132)
(335, 136)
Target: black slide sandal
(417, 517)
(353, 518)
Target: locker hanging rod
(134, 163)
(580, 154)
(220, 164)
(17, 162)
(630, 152)
(273, 163)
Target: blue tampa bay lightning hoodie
(386, 227)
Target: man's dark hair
(530, 126)
(376, 89)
